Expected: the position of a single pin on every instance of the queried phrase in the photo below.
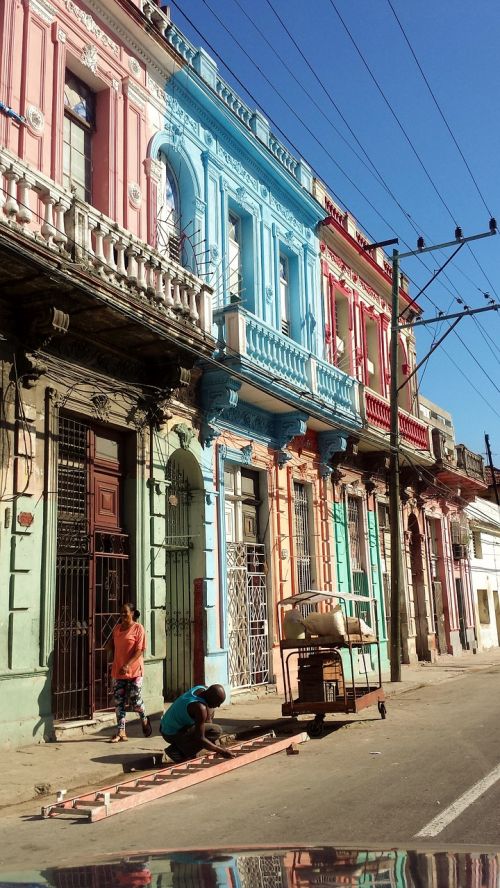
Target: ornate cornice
(91, 25)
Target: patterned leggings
(128, 691)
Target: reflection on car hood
(276, 868)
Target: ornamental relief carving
(36, 120)
(89, 57)
(92, 27)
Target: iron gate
(179, 616)
(111, 571)
(247, 615)
(92, 582)
(71, 674)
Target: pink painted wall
(38, 41)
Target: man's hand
(226, 753)
(124, 669)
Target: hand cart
(323, 683)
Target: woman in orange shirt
(128, 643)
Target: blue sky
(456, 43)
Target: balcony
(265, 356)
(470, 463)
(378, 413)
(42, 216)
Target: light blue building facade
(273, 411)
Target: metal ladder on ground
(102, 803)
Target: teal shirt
(177, 716)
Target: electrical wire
(297, 150)
(439, 108)
(393, 113)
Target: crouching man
(187, 723)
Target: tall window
(169, 215)
(372, 346)
(234, 271)
(79, 124)
(285, 294)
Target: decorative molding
(330, 444)
(36, 120)
(134, 194)
(89, 57)
(241, 172)
(199, 205)
(269, 295)
(91, 25)
(43, 9)
(251, 421)
(185, 434)
(156, 90)
(219, 392)
(287, 427)
(134, 66)
(61, 35)
(135, 93)
(153, 169)
(247, 454)
(179, 114)
(115, 84)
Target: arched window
(169, 214)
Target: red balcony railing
(411, 429)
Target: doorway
(92, 565)
(247, 611)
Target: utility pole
(397, 580)
(490, 461)
(394, 508)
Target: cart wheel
(382, 709)
(315, 728)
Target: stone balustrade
(44, 212)
(469, 462)
(285, 363)
(378, 413)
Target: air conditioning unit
(340, 345)
(459, 551)
(370, 366)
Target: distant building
(484, 548)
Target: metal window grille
(302, 542)
(179, 616)
(247, 615)
(354, 524)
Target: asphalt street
(368, 783)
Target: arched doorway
(184, 564)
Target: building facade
(484, 550)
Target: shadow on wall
(43, 729)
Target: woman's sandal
(147, 728)
(118, 738)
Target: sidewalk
(40, 770)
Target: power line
(393, 113)
(439, 108)
(255, 100)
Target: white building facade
(484, 522)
